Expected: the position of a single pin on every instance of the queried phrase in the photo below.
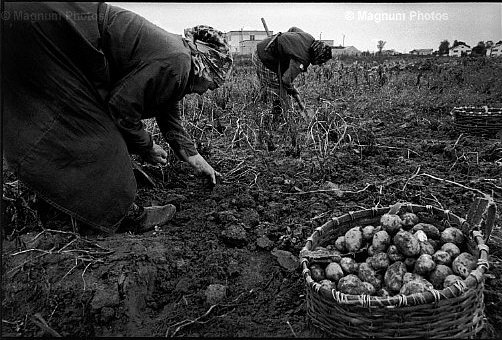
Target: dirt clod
(286, 259)
(215, 293)
(234, 235)
(264, 242)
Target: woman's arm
(293, 70)
(169, 122)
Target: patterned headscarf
(320, 52)
(295, 29)
(210, 53)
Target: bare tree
(380, 46)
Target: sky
(404, 26)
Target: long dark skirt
(269, 84)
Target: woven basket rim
(488, 111)
(473, 281)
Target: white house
(234, 38)
(247, 46)
(422, 51)
(494, 51)
(390, 52)
(458, 50)
(348, 50)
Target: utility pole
(343, 41)
(240, 42)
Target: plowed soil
(269, 199)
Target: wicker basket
(454, 312)
(484, 121)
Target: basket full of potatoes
(399, 271)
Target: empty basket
(484, 121)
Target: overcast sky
(404, 26)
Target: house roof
(461, 45)
(343, 47)
(422, 50)
(247, 31)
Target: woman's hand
(201, 167)
(156, 155)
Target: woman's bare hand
(156, 155)
(203, 168)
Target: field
(377, 131)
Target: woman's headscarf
(320, 52)
(210, 53)
(295, 29)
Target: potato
(426, 248)
(328, 284)
(370, 290)
(379, 261)
(371, 250)
(435, 244)
(349, 265)
(452, 235)
(333, 272)
(383, 293)
(450, 280)
(391, 223)
(353, 239)
(351, 284)
(409, 262)
(367, 274)
(393, 277)
(381, 241)
(452, 249)
(429, 230)
(415, 286)
(340, 244)
(317, 272)
(463, 264)
(394, 254)
(439, 274)
(420, 235)
(407, 243)
(411, 276)
(409, 220)
(442, 257)
(424, 265)
(368, 232)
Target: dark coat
(78, 79)
(287, 46)
(290, 50)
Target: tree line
(478, 50)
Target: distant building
(459, 50)
(494, 51)
(328, 42)
(247, 46)
(390, 52)
(422, 51)
(240, 41)
(348, 50)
